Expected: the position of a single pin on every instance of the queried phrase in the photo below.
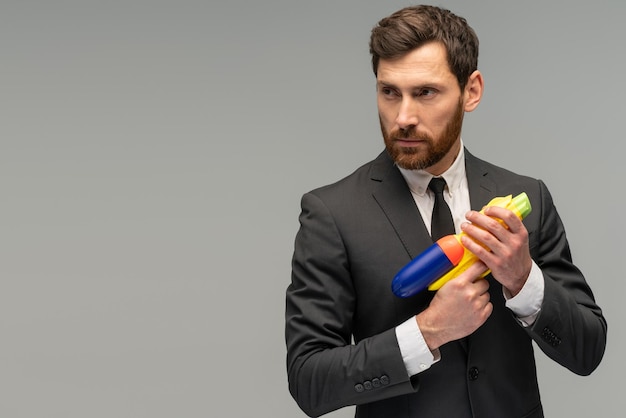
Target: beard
(414, 158)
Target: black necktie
(442, 223)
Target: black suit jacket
(354, 236)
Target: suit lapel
(394, 197)
(481, 188)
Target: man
(466, 350)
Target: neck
(446, 162)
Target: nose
(407, 114)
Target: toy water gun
(447, 258)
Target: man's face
(421, 109)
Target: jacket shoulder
(360, 181)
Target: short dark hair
(411, 27)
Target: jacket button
(550, 337)
(473, 373)
(359, 387)
(367, 385)
(376, 382)
(384, 379)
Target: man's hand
(502, 246)
(459, 308)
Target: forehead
(425, 64)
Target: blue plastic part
(421, 272)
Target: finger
(491, 224)
(491, 232)
(487, 310)
(482, 287)
(486, 256)
(478, 267)
(509, 219)
(474, 272)
(477, 239)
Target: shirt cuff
(527, 303)
(416, 355)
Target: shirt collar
(418, 179)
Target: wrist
(432, 336)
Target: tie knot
(437, 184)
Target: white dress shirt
(526, 304)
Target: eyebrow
(435, 85)
(382, 83)
(385, 83)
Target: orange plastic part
(452, 248)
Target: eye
(426, 92)
(387, 91)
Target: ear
(473, 91)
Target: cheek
(388, 112)
(386, 116)
(442, 117)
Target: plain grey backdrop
(152, 158)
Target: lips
(408, 142)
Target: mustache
(410, 132)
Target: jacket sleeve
(326, 370)
(570, 328)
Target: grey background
(152, 158)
